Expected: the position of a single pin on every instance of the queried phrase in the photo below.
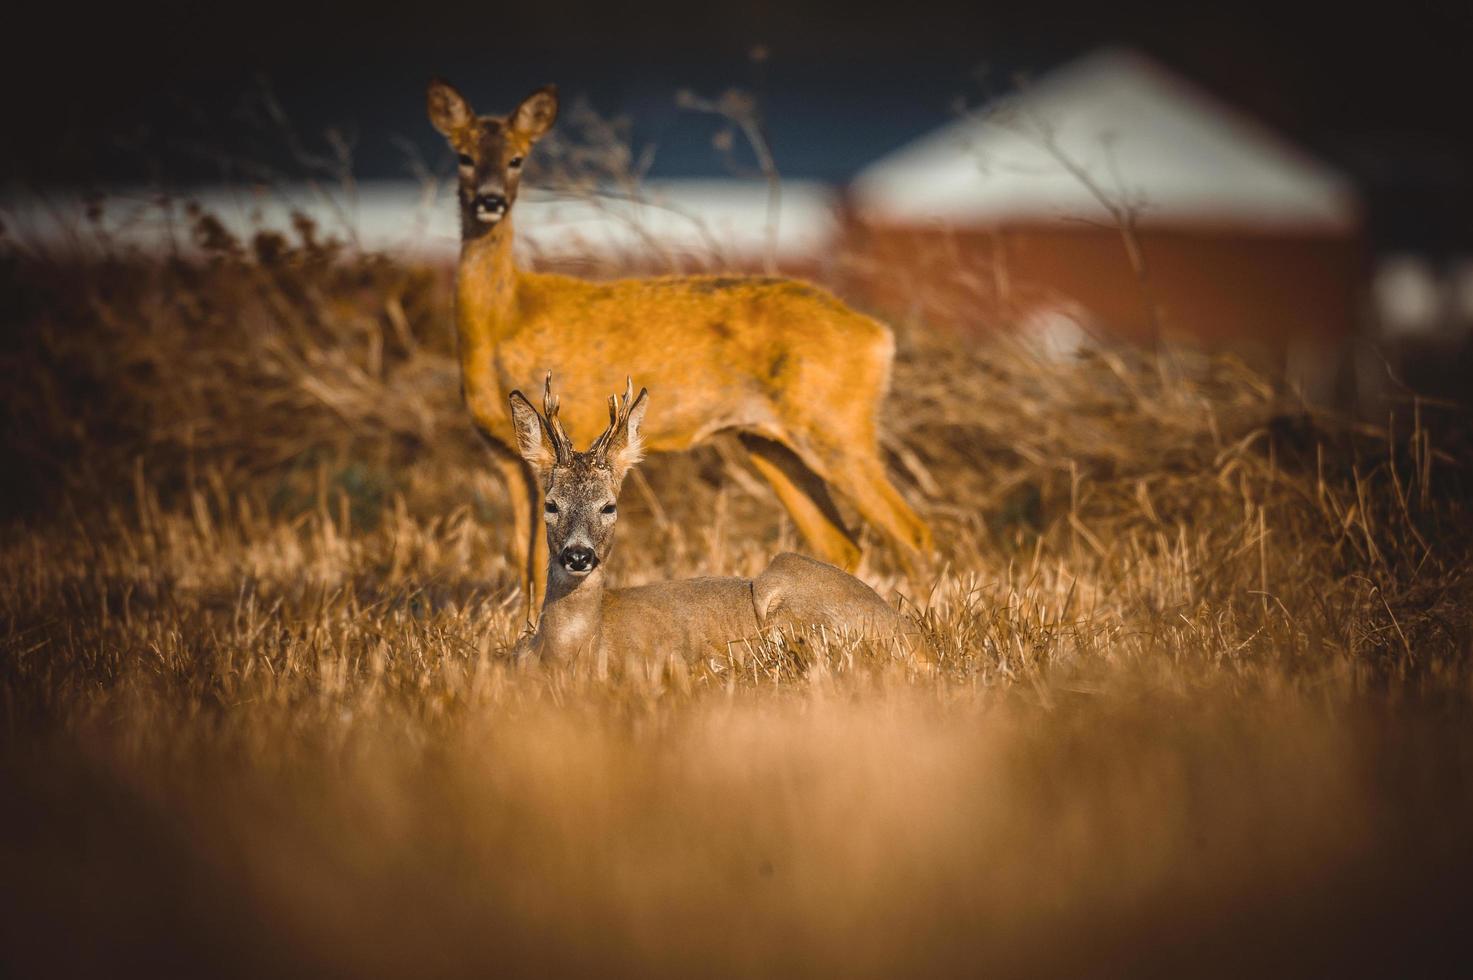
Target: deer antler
(618, 417)
(562, 446)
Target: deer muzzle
(490, 207)
(578, 560)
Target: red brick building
(1112, 197)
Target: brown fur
(784, 360)
(686, 619)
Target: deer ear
(532, 438)
(627, 445)
(538, 111)
(449, 110)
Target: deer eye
(465, 160)
(551, 507)
(515, 162)
(609, 508)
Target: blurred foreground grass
(1203, 703)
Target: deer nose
(491, 204)
(578, 560)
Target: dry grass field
(1202, 705)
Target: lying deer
(797, 374)
(685, 618)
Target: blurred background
(1206, 653)
(1290, 180)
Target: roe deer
(796, 373)
(685, 618)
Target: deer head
(581, 489)
(490, 150)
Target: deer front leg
(528, 538)
(536, 549)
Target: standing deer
(687, 618)
(797, 374)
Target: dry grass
(1203, 703)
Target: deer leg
(807, 499)
(523, 496)
(862, 479)
(536, 549)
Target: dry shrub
(1202, 701)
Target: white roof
(1129, 130)
(719, 220)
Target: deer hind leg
(795, 592)
(863, 480)
(806, 498)
(859, 476)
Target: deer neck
(572, 614)
(486, 286)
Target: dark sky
(107, 94)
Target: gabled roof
(1130, 128)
